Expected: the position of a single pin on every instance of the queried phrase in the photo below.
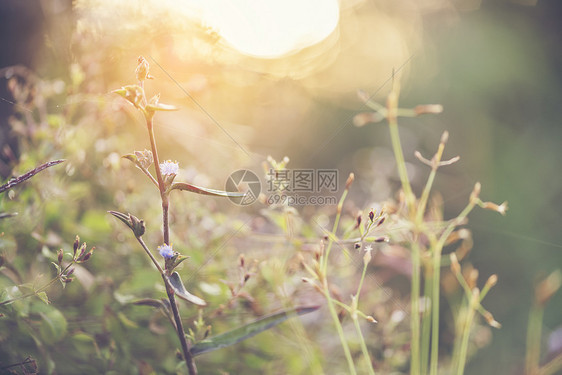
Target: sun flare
(270, 28)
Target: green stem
(339, 329)
(415, 308)
(427, 189)
(364, 349)
(159, 178)
(166, 234)
(353, 314)
(552, 367)
(41, 289)
(152, 258)
(466, 334)
(426, 322)
(400, 162)
(437, 248)
(334, 229)
(534, 332)
(326, 288)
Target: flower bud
(86, 257)
(76, 244)
(59, 257)
(428, 109)
(349, 181)
(490, 320)
(137, 226)
(133, 93)
(502, 208)
(142, 69)
(358, 220)
(492, 280)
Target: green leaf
(57, 267)
(161, 107)
(245, 332)
(43, 297)
(121, 216)
(181, 292)
(53, 326)
(131, 157)
(83, 343)
(199, 190)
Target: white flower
(168, 168)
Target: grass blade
(245, 332)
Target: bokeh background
(495, 66)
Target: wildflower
(501, 208)
(166, 251)
(349, 181)
(142, 69)
(428, 108)
(367, 257)
(169, 168)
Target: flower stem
(436, 249)
(41, 289)
(181, 335)
(415, 309)
(466, 333)
(326, 289)
(534, 330)
(166, 234)
(353, 314)
(426, 322)
(161, 186)
(392, 108)
(339, 329)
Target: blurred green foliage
(497, 72)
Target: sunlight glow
(271, 28)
